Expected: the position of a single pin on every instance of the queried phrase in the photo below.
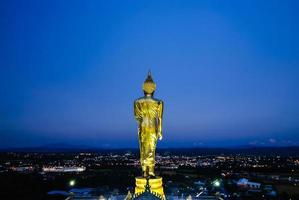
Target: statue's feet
(145, 175)
(151, 174)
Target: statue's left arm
(160, 115)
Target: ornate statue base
(155, 184)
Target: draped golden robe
(148, 113)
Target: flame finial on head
(149, 85)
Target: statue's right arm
(136, 111)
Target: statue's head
(149, 85)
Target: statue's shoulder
(158, 101)
(141, 99)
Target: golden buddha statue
(148, 112)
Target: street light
(216, 183)
(72, 183)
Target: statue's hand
(160, 137)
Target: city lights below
(58, 169)
(63, 169)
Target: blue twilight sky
(228, 71)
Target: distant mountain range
(243, 150)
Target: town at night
(248, 173)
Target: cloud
(197, 144)
(272, 141)
(254, 142)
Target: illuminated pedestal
(156, 185)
